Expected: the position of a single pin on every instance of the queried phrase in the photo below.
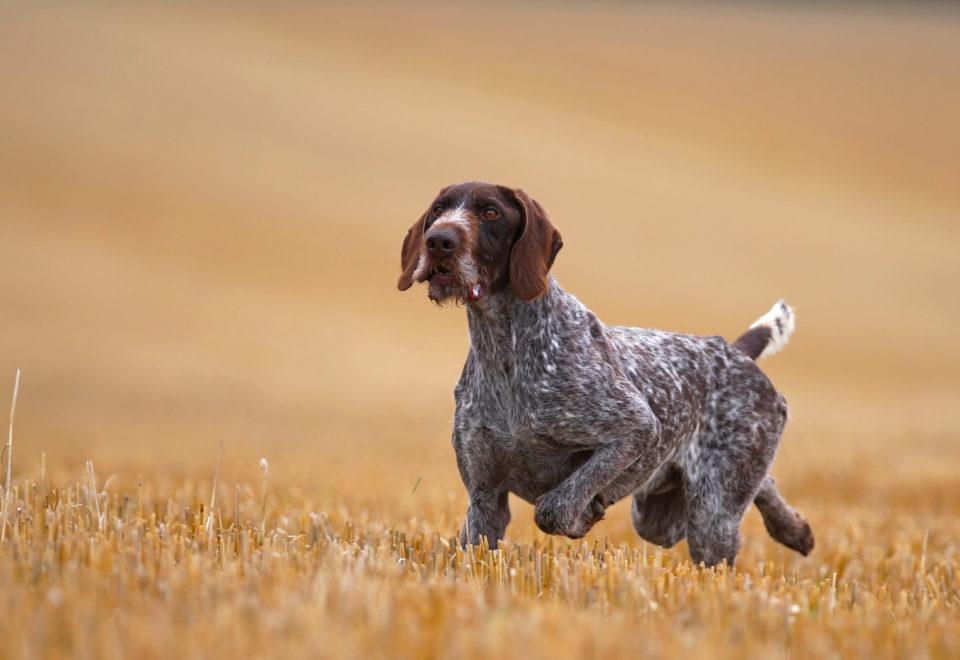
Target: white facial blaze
(457, 219)
(455, 216)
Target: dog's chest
(527, 464)
(510, 393)
(540, 463)
(508, 426)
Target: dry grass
(201, 206)
(123, 572)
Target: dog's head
(476, 239)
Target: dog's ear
(410, 253)
(534, 251)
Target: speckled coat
(573, 415)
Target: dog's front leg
(487, 516)
(572, 508)
(482, 471)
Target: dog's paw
(792, 531)
(803, 541)
(554, 516)
(555, 513)
(596, 511)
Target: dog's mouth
(443, 275)
(446, 283)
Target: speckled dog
(573, 415)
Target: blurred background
(202, 206)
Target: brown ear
(534, 251)
(410, 253)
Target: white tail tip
(780, 320)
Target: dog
(573, 415)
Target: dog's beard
(442, 291)
(457, 282)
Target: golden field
(201, 210)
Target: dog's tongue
(476, 292)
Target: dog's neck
(508, 335)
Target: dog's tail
(769, 333)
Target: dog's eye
(490, 213)
(438, 209)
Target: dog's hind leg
(783, 522)
(722, 480)
(660, 517)
(713, 521)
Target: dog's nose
(441, 243)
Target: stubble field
(232, 432)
